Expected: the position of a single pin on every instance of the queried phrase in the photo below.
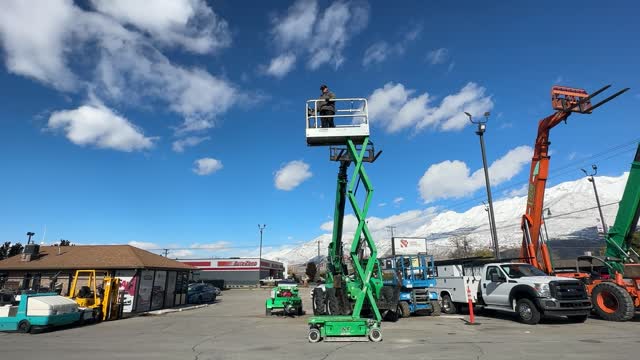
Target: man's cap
(323, 86)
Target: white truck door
(495, 288)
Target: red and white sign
(232, 264)
(408, 246)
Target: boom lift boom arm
(565, 101)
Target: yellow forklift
(100, 301)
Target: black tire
(403, 306)
(375, 334)
(314, 335)
(300, 312)
(578, 319)
(24, 326)
(392, 315)
(436, 309)
(333, 306)
(319, 307)
(267, 312)
(527, 312)
(448, 306)
(611, 302)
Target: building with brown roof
(148, 281)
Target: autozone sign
(232, 263)
(224, 264)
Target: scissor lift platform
(351, 122)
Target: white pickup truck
(513, 287)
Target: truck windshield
(515, 271)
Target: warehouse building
(148, 281)
(235, 271)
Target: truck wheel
(448, 306)
(319, 307)
(24, 326)
(314, 335)
(300, 312)
(403, 308)
(612, 302)
(375, 335)
(436, 309)
(527, 311)
(578, 319)
(268, 312)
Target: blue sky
(183, 127)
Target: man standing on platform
(326, 106)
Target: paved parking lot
(235, 327)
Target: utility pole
(592, 180)
(544, 222)
(482, 126)
(166, 252)
(393, 241)
(318, 248)
(260, 227)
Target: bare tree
(461, 247)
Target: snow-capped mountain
(573, 215)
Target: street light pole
(486, 208)
(482, 126)
(260, 227)
(592, 180)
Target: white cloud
(188, 23)
(144, 245)
(322, 35)
(453, 179)
(180, 253)
(33, 35)
(292, 174)
(281, 65)
(377, 53)
(97, 125)
(398, 200)
(215, 246)
(181, 144)
(520, 191)
(395, 108)
(296, 27)
(382, 204)
(118, 43)
(380, 51)
(206, 166)
(438, 56)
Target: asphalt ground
(235, 327)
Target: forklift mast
(621, 233)
(565, 101)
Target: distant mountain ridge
(572, 223)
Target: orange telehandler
(616, 296)
(565, 101)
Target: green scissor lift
(352, 327)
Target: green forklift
(284, 297)
(347, 304)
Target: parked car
(200, 293)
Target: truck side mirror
(496, 278)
